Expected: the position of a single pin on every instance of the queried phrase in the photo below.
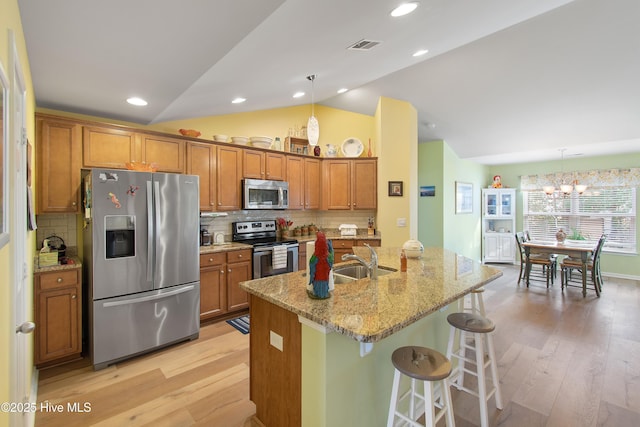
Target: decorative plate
(352, 147)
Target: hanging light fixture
(565, 188)
(313, 128)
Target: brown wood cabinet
(58, 160)
(220, 277)
(228, 178)
(349, 184)
(213, 289)
(264, 165)
(342, 247)
(106, 147)
(58, 313)
(303, 176)
(167, 153)
(238, 270)
(201, 161)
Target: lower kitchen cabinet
(58, 313)
(220, 277)
(238, 270)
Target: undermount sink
(350, 273)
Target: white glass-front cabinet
(498, 225)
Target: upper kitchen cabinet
(58, 159)
(303, 175)
(264, 165)
(201, 161)
(228, 178)
(349, 184)
(167, 153)
(106, 147)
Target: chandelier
(565, 188)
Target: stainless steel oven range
(271, 255)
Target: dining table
(574, 250)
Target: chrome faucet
(372, 266)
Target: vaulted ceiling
(504, 80)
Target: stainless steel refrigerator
(141, 261)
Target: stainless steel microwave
(265, 194)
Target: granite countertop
(369, 311)
(58, 267)
(226, 247)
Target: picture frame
(464, 197)
(427, 191)
(395, 188)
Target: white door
(21, 361)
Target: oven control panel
(248, 227)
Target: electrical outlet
(276, 340)
(401, 222)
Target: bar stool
(476, 302)
(479, 328)
(426, 365)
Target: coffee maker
(205, 237)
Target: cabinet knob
(74, 204)
(219, 203)
(229, 270)
(73, 296)
(211, 204)
(210, 259)
(240, 256)
(59, 280)
(221, 271)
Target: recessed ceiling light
(298, 94)
(404, 9)
(238, 100)
(421, 52)
(137, 101)
(343, 90)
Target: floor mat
(240, 323)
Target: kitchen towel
(279, 257)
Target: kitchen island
(328, 362)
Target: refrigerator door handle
(150, 245)
(156, 226)
(149, 298)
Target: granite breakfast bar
(327, 362)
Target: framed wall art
(464, 197)
(395, 188)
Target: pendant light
(313, 128)
(565, 188)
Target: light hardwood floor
(563, 360)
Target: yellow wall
(397, 133)
(10, 20)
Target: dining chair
(547, 263)
(552, 257)
(593, 268)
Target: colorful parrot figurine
(320, 265)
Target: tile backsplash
(66, 225)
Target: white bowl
(242, 140)
(220, 138)
(263, 139)
(413, 248)
(261, 144)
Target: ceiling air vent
(363, 45)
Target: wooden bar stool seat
(429, 366)
(479, 328)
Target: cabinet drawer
(59, 279)
(370, 242)
(343, 243)
(208, 260)
(238, 256)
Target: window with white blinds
(606, 210)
